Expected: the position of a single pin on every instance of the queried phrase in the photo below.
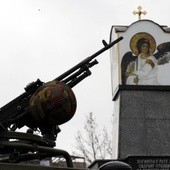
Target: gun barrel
(80, 71)
(87, 60)
(106, 47)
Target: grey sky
(44, 38)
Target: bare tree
(93, 144)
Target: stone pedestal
(142, 121)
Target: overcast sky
(43, 38)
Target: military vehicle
(43, 107)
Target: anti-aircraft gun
(43, 107)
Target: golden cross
(139, 12)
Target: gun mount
(43, 106)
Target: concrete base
(143, 121)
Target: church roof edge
(123, 28)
